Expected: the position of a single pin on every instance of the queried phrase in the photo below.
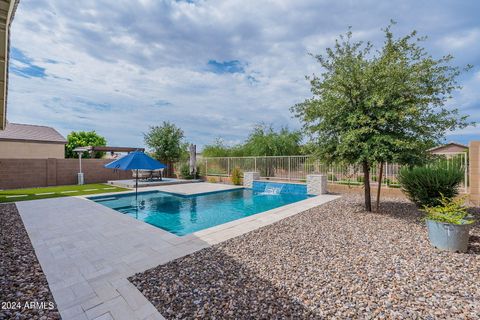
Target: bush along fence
(296, 168)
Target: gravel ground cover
(333, 261)
(24, 292)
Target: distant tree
(217, 149)
(374, 106)
(262, 141)
(83, 139)
(167, 143)
(265, 141)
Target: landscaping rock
(333, 261)
(24, 291)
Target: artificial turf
(55, 192)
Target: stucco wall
(474, 171)
(31, 150)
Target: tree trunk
(379, 181)
(366, 183)
(168, 172)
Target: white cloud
(461, 40)
(116, 59)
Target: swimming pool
(182, 215)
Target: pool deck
(130, 183)
(87, 251)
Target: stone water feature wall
(279, 187)
(316, 184)
(249, 177)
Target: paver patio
(87, 251)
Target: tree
(265, 141)
(167, 143)
(217, 149)
(83, 139)
(374, 106)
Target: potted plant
(449, 224)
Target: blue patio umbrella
(136, 160)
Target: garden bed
(24, 291)
(335, 260)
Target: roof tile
(16, 131)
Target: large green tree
(371, 106)
(83, 139)
(166, 142)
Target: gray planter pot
(446, 236)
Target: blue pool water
(182, 215)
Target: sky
(214, 68)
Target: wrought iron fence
(296, 168)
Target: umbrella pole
(136, 193)
(136, 185)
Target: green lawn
(55, 192)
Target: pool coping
(240, 226)
(69, 232)
(203, 234)
(231, 229)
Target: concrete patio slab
(87, 251)
(130, 183)
(190, 188)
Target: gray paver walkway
(87, 252)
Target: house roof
(450, 144)
(31, 133)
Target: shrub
(449, 211)
(185, 171)
(425, 185)
(199, 173)
(360, 179)
(236, 176)
(201, 169)
(392, 183)
(212, 180)
(349, 182)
